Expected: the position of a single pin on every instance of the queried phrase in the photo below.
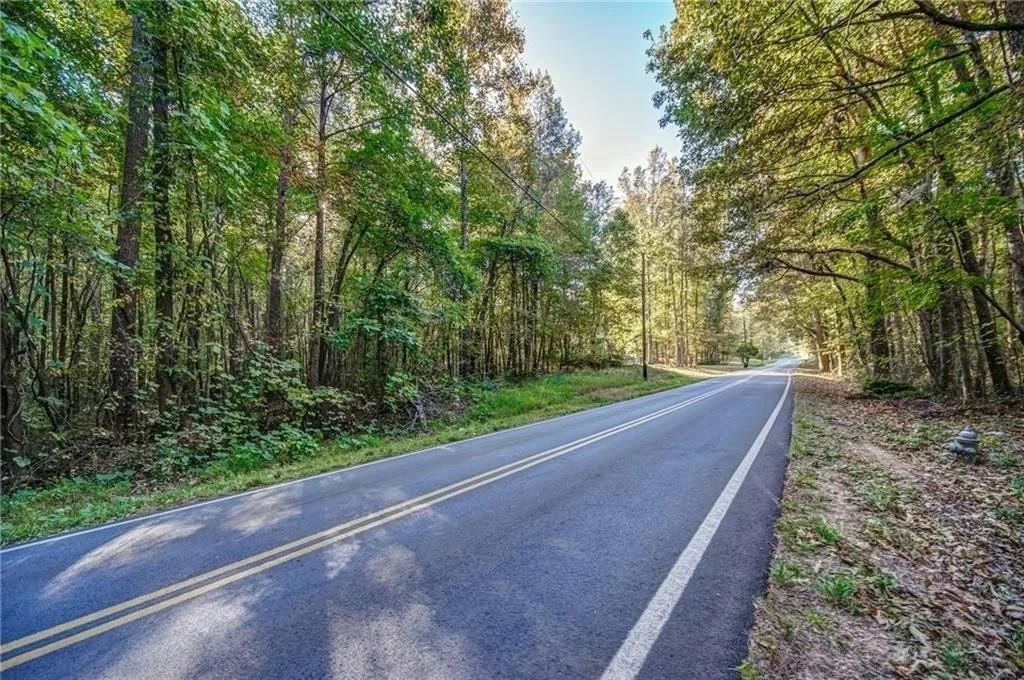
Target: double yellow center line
(191, 588)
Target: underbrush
(268, 427)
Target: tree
(163, 176)
(124, 341)
(746, 352)
(865, 151)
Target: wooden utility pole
(643, 309)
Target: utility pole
(643, 309)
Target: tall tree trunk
(1002, 164)
(881, 356)
(316, 331)
(12, 426)
(987, 334)
(463, 202)
(275, 322)
(1013, 228)
(124, 344)
(466, 362)
(190, 305)
(163, 171)
(1013, 223)
(946, 342)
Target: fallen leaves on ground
(895, 558)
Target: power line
(444, 118)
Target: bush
(284, 444)
(578, 361)
(262, 416)
(401, 392)
(887, 388)
(330, 411)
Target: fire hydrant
(966, 443)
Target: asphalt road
(624, 541)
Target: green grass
(785, 573)
(1017, 487)
(838, 588)
(826, 532)
(77, 503)
(818, 621)
(955, 654)
(883, 496)
(748, 670)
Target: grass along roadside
(82, 502)
(894, 558)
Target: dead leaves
(949, 532)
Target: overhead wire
(370, 53)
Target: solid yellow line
(166, 590)
(384, 516)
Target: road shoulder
(893, 558)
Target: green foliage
(80, 501)
(838, 588)
(260, 418)
(860, 200)
(307, 247)
(746, 351)
(400, 391)
(882, 388)
(785, 573)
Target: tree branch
(814, 272)
(942, 122)
(929, 10)
(868, 254)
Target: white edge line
(263, 489)
(632, 655)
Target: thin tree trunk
(316, 332)
(987, 334)
(1013, 223)
(274, 333)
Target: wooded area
(240, 227)
(859, 163)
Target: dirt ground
(895, 557)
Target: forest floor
(89, 499)
(894, 558)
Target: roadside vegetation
(110, 481)
(895, 557)
(234, 231)
(859, 164)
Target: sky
(596, 55)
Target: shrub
(578, 361)
(330, 411)
(887, 388)
(261, 416)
